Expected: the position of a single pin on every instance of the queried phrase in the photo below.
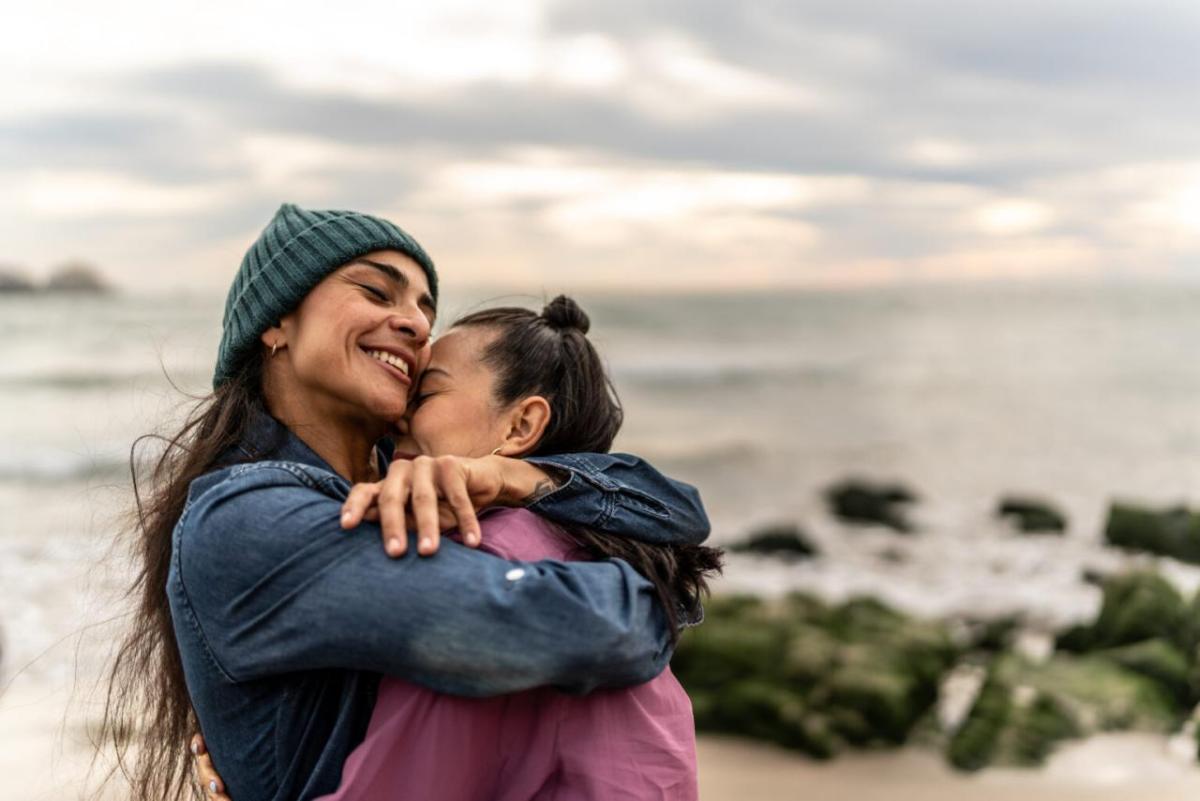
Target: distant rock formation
(13, 279)
(71, 277)
(76, 276)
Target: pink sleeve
(521, 535)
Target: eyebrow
(400, 278)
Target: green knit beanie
(296, 250)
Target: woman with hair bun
(514, 382)
(510, 381)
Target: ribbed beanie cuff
(297, 249)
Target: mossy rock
(1139, 605)
(864, 502)
(887, 702)
(1173, 532)
(1099, 694)
(977, 740)
(1033, 516)
(1159, 661)
(786, 542)
(994, 635)
(718, 653)
(1036, 729)
(765, 711)
(1000, 731)
(811, 676)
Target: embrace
(298, 604)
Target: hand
(440, 493)
(206, 774)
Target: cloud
(691, 140)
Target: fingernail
(345, 516)
(426, 543)
(393, 547)
(195, 749)
(212, 786)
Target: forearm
(306, 595)
(622, 494)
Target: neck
(346, 442)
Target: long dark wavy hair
(549, 354)
(148, 716)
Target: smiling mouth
(390, 361)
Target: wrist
(523, 483)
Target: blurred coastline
(1078, 395)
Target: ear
(526, 423)
(274, 336)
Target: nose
(412, 325)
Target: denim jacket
(284, 621)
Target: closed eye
(375, 292)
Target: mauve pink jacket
(633, 744)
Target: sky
(688, 144)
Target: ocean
(1076, 394)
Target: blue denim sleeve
(618, 493)
(275, 585)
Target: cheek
(455, 426)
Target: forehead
(460, 349)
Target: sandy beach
(44, 756)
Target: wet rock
(1173, 532)
(1037, 728)
(812, 676)
(1138, 605)
(1161, 662)
(976, 742)
(863, 502)
(1032, 516)
(786, 542)
(1024, 710)
(994, 634)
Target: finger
(214, 788)
(372, 514)
(197, 745)
(392, 499)
(424, 498)
(361, 498)
(452, 480)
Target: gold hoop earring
(273, 349)
(497, 450)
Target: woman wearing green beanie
(264, 623)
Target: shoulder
(245, 503)
(523, 535)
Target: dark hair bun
(563, 313)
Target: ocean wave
(690, 375)
(49, 465)
(696, 452)
(76, 380)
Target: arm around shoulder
(277, 585)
